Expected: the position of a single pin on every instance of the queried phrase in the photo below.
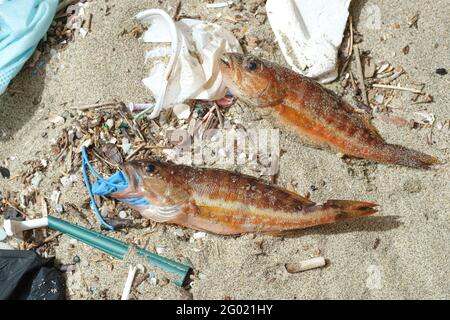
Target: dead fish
(224, 202)
(312, 112)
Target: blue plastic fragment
(116, 183)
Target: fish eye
(251, 65)
(150, 168)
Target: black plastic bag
(24, 275)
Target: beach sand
(402, 252)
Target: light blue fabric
(23, 23)
(116, 183)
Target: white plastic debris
(309, 33)
(182, 111)
(54, 198)
(126, 145)
(15, 228)
(128, 283)
(192, 71)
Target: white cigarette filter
(309, 264)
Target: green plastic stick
(117, 248)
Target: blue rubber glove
(23, 23)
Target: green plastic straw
(117, 248)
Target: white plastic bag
(192, 71)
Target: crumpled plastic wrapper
(192, 72)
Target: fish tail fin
(347, 209)
(396, 154)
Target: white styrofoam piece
(192, 71)
(309, 33)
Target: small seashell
(37, 179)
(55, 119)
(160, 250)
(179, 233)
(379, 98)
(199, 235)
(123, 214)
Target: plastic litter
(27, 276)
(111, 246)
(128, 283)
(23, 23)
(309, 33)
(191, 72)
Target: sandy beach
(402, 252)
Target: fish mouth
(131, 175)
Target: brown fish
(314, 113)
(224, 202)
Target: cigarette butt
(313, 263)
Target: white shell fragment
(424, 117)
(199, 235)
(126, 145)
(55, 119)
(309, 33)
(122, 214)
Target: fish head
(156, 182)
(251, 79)
(146, 177)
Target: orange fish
(224, 202)
(314, 113)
